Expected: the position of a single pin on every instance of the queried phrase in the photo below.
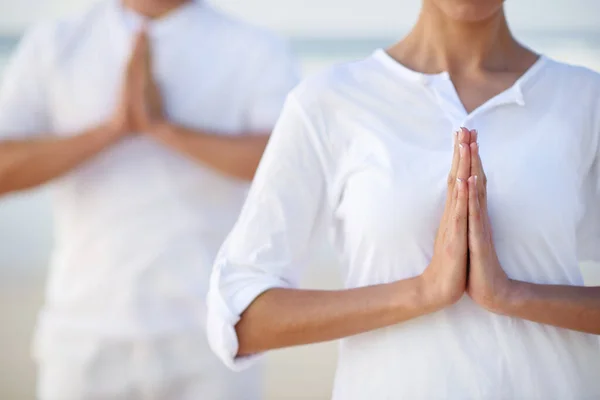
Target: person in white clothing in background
(150, 116)
(460, 284)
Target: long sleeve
(268, 245)
(588, 234)
(589, 229)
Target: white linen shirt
(363, 151)
(139, 225)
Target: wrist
(408, 298)
(111, 131)
(431, 295)
(508, 297)
(107, 133)
(161, 129)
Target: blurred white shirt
(363, 151)
(137, 227)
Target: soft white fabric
(84, 368)
(138, 227)
(363, 151)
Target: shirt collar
(129, 21)
(512, 95)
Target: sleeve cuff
(221, 321)
(590, 250)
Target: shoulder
(325, 90)
(51, 38)
(321, 97)
(576, 89)
(572, 91)
(572, 78)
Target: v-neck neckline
(512, 94)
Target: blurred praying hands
(140, 107)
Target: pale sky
(348, 17)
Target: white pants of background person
(141, 205)
(173, 367)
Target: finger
(137, 49)
(460, 213)
(460, 136)
(464, 164)
(141, 38)
(475, 161)
(477, 170)
(451, 183)
(476, 164)
(476, 231)
(146, 52)
(462, 175)
(466, 135)
(474, 135)
(455, 159)
(143, 54)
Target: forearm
(570, 307)
(28, 163)
(288, 317)
(236, 156)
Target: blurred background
(322, 32)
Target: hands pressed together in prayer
(464, 255)
(140, 105)
(140, 109)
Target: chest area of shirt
(194, 81)
(391, 178)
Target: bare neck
(154, 8)
(438, 43)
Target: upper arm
(274, 75)
(268, 245)
(286, 199)
(589, 231)
(589, 228)
(23, 90)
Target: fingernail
(460, 183)
(462, 149)
(475, 177)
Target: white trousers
(175, 367)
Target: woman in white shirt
(434, 305)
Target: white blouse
(363, 151)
